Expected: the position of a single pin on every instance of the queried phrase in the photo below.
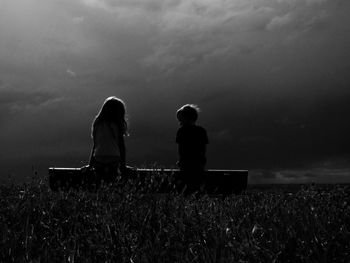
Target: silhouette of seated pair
(108, 154)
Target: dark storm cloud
(22, 99)
(331, 170)
(319, 175)
(262, 176)
(271, 77)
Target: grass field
(123, 225)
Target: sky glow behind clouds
(270, 76)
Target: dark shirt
(192, 141)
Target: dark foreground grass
(123, 225)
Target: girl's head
(112, 111)
(188, 114)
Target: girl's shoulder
(114, 126)
(107, 129)
(104, 125)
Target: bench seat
(215, 181)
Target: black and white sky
(271, 77)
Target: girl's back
(106, 139)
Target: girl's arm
(93, 148)
(122, 152)
(92, 154)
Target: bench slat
(221, 181)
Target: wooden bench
(215, 181)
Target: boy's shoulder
(191, 128)
(200, 128)
(189, 132)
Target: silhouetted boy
(192, 142)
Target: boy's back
(192, 141)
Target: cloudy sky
(271, 77)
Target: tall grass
(117, 224)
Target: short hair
(188, 112)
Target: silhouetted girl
(108, 130)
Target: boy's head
(188, 114)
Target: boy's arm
(180, 149)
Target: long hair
(112, 111)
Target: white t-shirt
(106, 140)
